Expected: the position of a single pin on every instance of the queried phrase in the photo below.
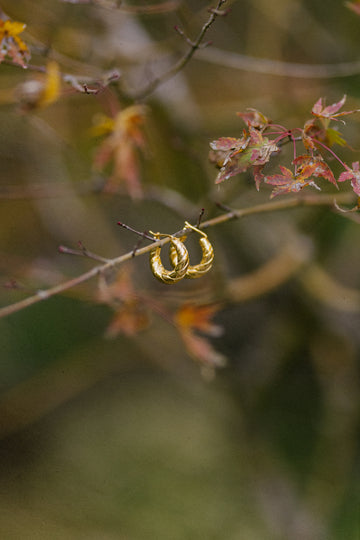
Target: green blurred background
(124, 439)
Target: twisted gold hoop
(180, 266)
(207, 250)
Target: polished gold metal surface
(207, 250)
(179, 267)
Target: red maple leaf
(254, 118)
(229, 144)
(311, 132)
(252, 150)
(353, 175)
(287, 182)
(315, 130)
(314, 166)
(331, 111)
(223, 148)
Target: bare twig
(164, 7)
(82, 252)
(142, 234)
(277, 67)
(82, 84)
(285, 204)
(200, 217)
(180, 64)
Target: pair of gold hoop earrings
(179, 258)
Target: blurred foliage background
(124, 438)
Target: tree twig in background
(229, 59)
(163, 7)
(180, 64)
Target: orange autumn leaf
(201, 350)
(129, 319)
(354, 6)
(103, 126)
(189, 319)
(125, 139)
(120, 290)
(130, 315)
(198, 317)
(11, 45)
(51, 90)
(40, 92)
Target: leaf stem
(316, 141)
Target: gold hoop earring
(207, 250)
(179, 268)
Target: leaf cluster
(262, 140)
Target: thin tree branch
(82, 252)
(285, 204)
(80, 83)
(277, 67)
(181, 63)
(164, 7)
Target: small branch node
(142, 234)
(91, 91)
(223, 206)
(219, 12)
(136, 247)
(206, 44)
(226, 209)
(202, 211)
(184, 36)
(82, 252)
